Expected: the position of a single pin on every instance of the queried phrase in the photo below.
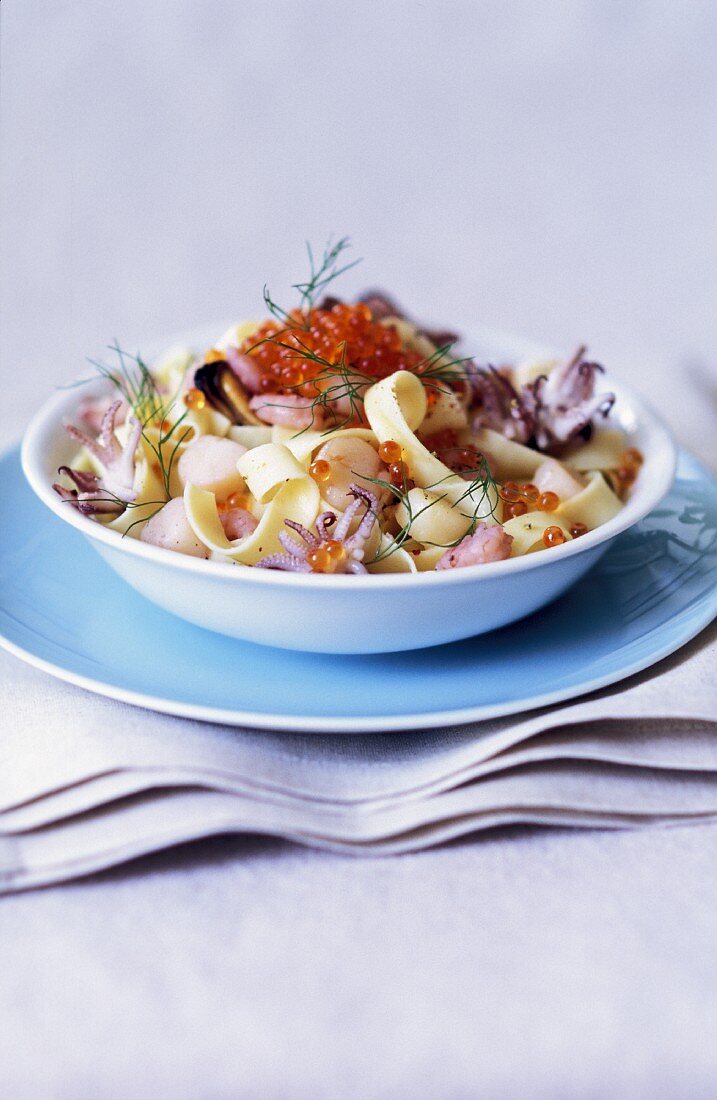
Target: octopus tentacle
(291, 545)
(342, 527)
(295, 559)
(306, 535)
(114, 489)
(285, 562)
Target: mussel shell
(225, 392)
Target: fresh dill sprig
(321, 275)
(440, 366)
(135, 383)
(479, 480)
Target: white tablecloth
(549, 169)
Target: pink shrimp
(290, 410)
(245, 368)
(238, 523)
(484, 545)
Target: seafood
(328, 551)
(211, 462)
(290, 410)
(169, 528)
(110, 491)
(484, 545)
(352, 461)
(225, 392)
(354, 412)
(238, 523)
(550, 411)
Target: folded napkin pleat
(118, 782)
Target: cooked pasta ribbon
(297, 500)
(511, 461)
(593, 505)
(528, 530)
(267, 468)
(603, 451)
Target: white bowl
(348, 614)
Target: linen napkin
(87, 783)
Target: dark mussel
(225, 392)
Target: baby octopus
(486, 544)
(328, 551)
(109, 493)
(551, 411)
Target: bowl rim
(634, 416)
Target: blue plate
(63, 610)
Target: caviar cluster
(297, 352)
(519, 499)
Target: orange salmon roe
(390, 452)
(578, 529)
(319, 559)
(548, 502)
(320, 470)
(553, 536)
(194, 399)
(345, 333)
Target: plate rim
(422, 720)
(701, 617)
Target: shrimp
(352, 461)
(238, 523)
(169, 528)
(486, 544)
(290, 410)
(245, 368)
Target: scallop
(351, 460)
(211, 463)
(169, 528)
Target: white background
(549, 168)
(546, 168)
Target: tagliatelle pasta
(297, 500)
(345, 438)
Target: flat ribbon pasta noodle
(266, 468)
(593, 505)
(528, 370)
(527, 531)
(447, 413)
(169, 372)
(415, 340)
(397, 560)
(250, 435)
(602, 452)
(395, 407)
(171, 450)
(170, 368)
(433, 519)
(151, 494)
(512, 460)
(297, 500)
(303, 444)
(428, 557)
